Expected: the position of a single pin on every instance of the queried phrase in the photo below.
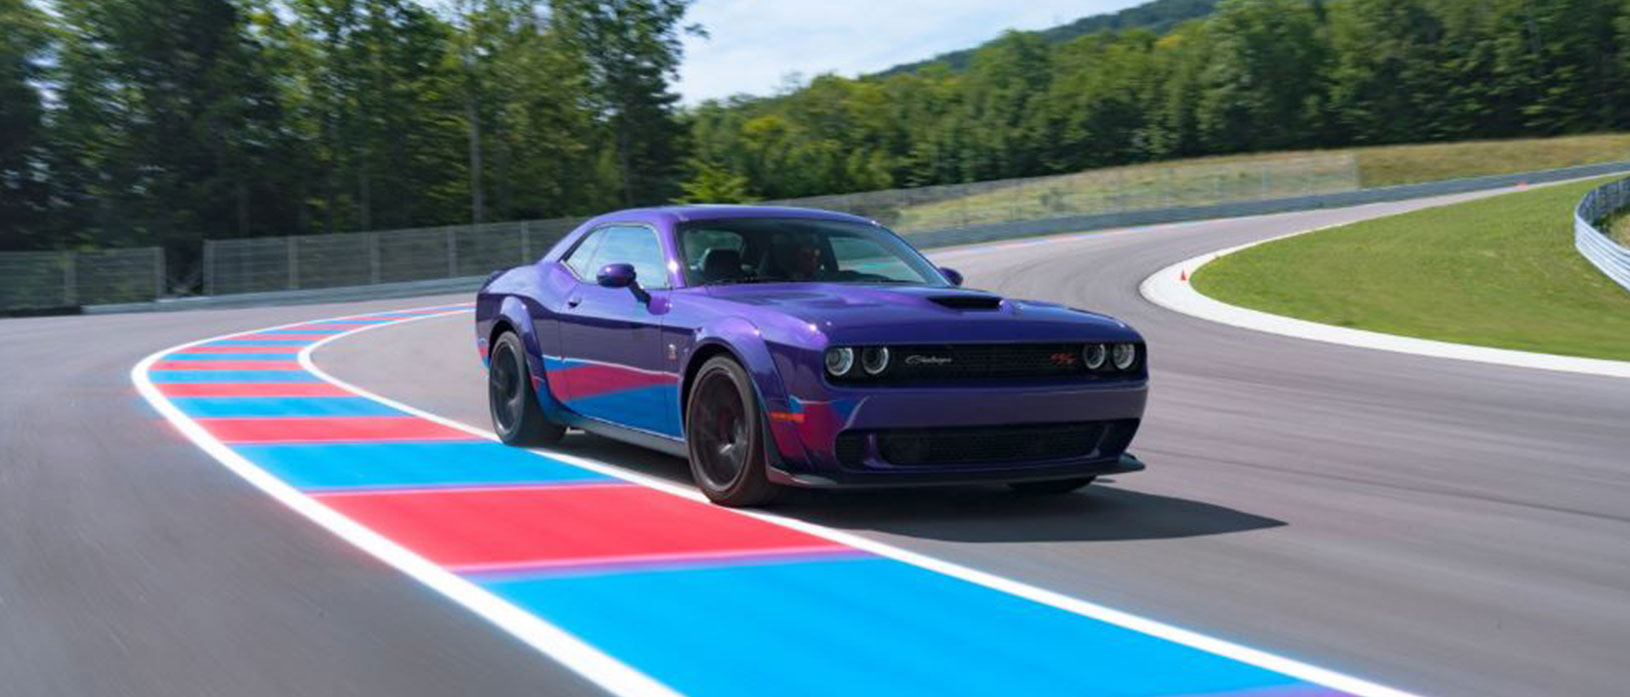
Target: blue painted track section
(878, 626)
(381, 465)
(239, 407)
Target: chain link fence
(1094, 192)
(1593, 242)
(55, 280)
(369, 258)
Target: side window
(632, 245)
(581, 258)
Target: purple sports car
(777, 347)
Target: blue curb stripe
(231, 376)
(886, 628)
(381, 465)
(227, 407)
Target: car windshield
(785, 250)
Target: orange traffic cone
(1183, 275)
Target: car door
(612, 363)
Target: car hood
(866, 312)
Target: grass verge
(1498, 272)
(1225, 178)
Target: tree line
(134, 122)
(1254, 75)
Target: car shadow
(1098, 513)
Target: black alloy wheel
(516, 415)
(725, 436)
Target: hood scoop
(968, 302)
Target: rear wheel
(516, 415)
(725, 435)
(1051, 487)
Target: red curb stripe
(286, 348)
(283, 337)
(556, 525)
(228, 365)
(329, 429)
(634, 561)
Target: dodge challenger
(787, 347)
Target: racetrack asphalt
(1439, 526)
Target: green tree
(23, 139)
(166, 123)
(633, 52)
(711, 183)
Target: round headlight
(1094, 356)
(1125, 356)
(840, 360)
(874, 360)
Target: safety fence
(65, 279)
(371, 258)
(1595, 243)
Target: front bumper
(1123, 464)
(806, 436)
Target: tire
(724, 432)
(1050, 487)
(517, 417)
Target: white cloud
(755, 43)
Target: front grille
(987, 444)
(966, 362)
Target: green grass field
(1618, 227)
(1496, 272)
(1208, 180)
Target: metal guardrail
(1594, 243)
(69, 279)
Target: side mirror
(952, 275)
(616, 276)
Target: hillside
(1158, 16)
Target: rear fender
(515, 313)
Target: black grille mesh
(988, 444)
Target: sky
(755, 44)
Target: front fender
(744, 341)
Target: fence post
(373, 258)
(209, 267)
(158, 272)
(526, 241)
(70, 279)
(294, 262)
(452, 252)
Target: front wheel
(1050, 487)
(725, 436)
(516, 415)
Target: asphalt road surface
(1439, 526)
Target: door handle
(574, 302)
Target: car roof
(695, 212)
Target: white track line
(1166, 289)
(572, 652)
(1238, 652)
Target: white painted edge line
(572, 652)
(1166, 289)
(1238, 652)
